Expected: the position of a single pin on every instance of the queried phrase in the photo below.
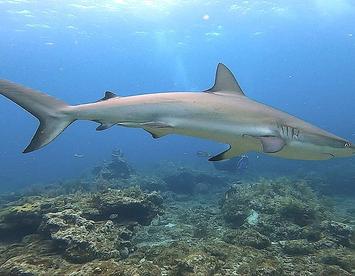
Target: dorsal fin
(225, 82)
(108, 95)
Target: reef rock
(297, 247)
(19, 220)
(83, 240)
(340, 233)
(284, 210)
(125, 206)
(83, 226)
(247, 237)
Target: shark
(222, 113)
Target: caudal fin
(48, 110)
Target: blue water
(298, 56)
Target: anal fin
(155, 134)
(156, 129)
(104, 126)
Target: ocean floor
(178, 222)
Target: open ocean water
(117, 202)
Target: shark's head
(340, 148)
(329, 145)
(308, 142)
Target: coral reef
(112, 227)
(19, 220)
(289, 213)
(128, 206)
(83, 240)
(118, 167)
(82, 227)
(248, 237)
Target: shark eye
(347, 145)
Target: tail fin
(48, 110)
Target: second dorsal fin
(225, 82)
(108, 95)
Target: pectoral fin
(228, 154)
(272, 144)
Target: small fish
(235, 165)
(113, 216)
(117, 153)
(243, 163)
(77, 155)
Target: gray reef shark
(222, 113)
